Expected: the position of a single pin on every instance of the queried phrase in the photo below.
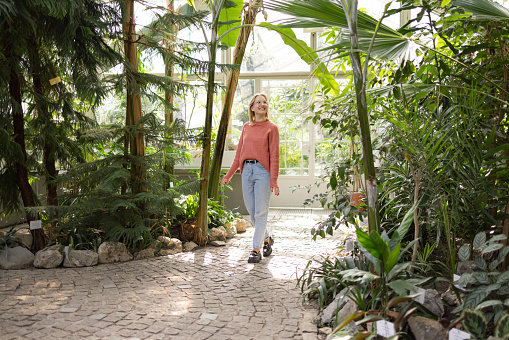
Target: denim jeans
(256, 192)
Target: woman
(258, 159)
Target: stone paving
(210, 293)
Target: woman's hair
(251, 114)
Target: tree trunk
(169, 165)
(350, 8)
(46, 119)
(25, 189)
(133, 107)
(202, 222)
(231, 87)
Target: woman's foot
(267, 246)
(254, 256)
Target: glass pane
(269, 53)
(239, 114)
(288, 109)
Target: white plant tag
(35, 224)
(420, 298)
(455, 278)
(456, 334)
(385, 328)
(349, 245)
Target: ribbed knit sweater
(259, 142)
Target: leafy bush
(487, 288)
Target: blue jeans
(256, 192)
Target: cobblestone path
(210, 293)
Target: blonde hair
(251, 114)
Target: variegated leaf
(481, 277)
(479, 240)
(503, 278)
(488, 303)
(481, 263)
(464, 253)
(491, 248)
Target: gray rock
(329, 312)
(433, 302)
(466, 267)
(166, 252)
(50, 257)
(450, 298)
(16, 258)
(218, 243)
(145, 253)
(231, 230)
(169, 246)
(218, 234)
(80, 258)
(188, 246)
(24, 236)
(110, 252)
(348, 309)
(240, 225)
(425, 329)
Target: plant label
(35, 224)
(420, 298)
(456, 278)
(349, 245)
(55, 81)
(385, 329)
(456, 334)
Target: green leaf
(488, 303)
(307, 54)
(464, 253)
(475, 323)
(372, 243)
(502, 328)
(480, 262)
(479, 240)
(492, 248)
(445, 3)
(503, 278)
(407, 221)
(401, 287)
(483, 9)
(228, 15)
(392, 259)
(333, 181)
(481, 277)
(478, 295)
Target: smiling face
(259, 108)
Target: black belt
(251, 161)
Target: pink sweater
(260, 142)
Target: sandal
(267, 247)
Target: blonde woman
(258, 159)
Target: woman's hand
(275, 190)
(225, 181)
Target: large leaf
(389, 43)
(392, 259)
(407, 221)
(483, 9)
(307, 54)
(475, 323)
(478, 295)
(373, 243)
(232, 16)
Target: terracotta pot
(357, 198)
